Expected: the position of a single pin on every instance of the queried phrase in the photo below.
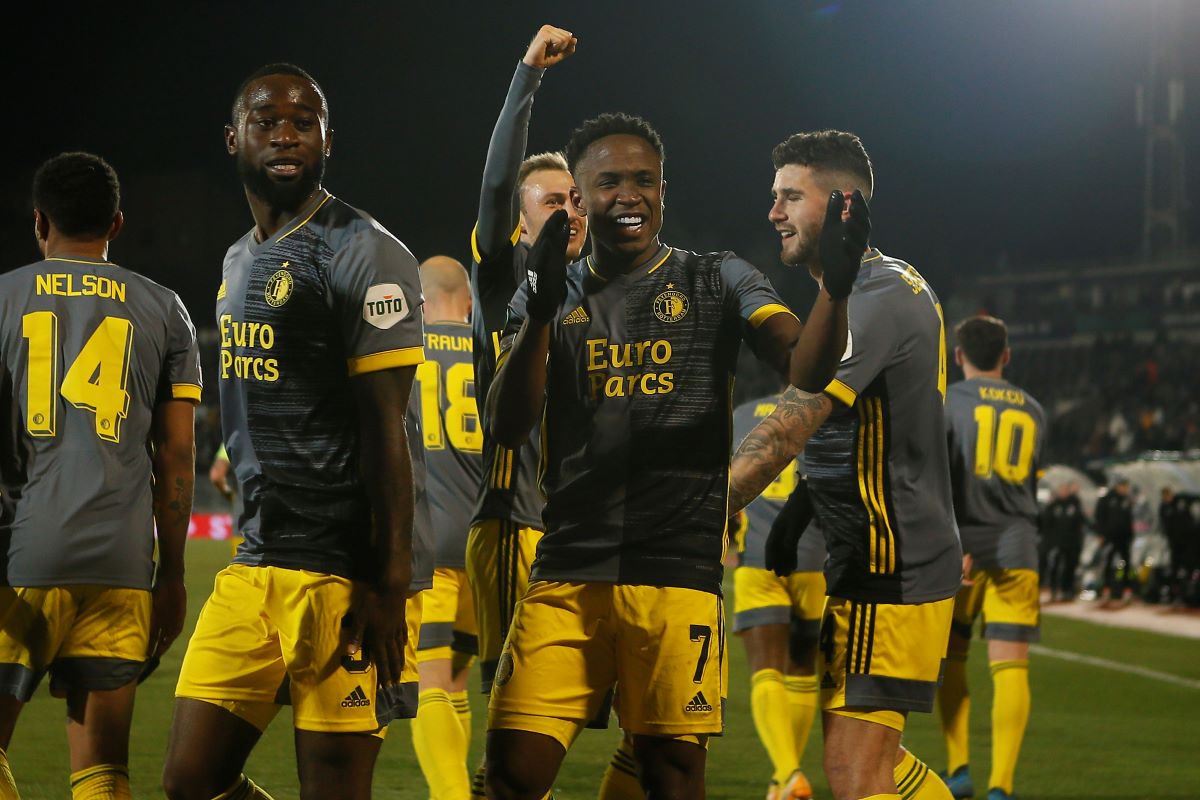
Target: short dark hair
(596, 128)
(78, 192)
(983, 340)
(833, 151)
(279, 68)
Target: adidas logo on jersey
(697, 704)
(356, 699)
(577, 316)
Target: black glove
(842, 243)
(786, 530)
(547, 268)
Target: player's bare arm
(805, 355)
(174, 466)
(772, 445)
(497, 210)
(379, 621)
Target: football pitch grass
(1095, 731)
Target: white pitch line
(1116, 666)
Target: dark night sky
(996, 128)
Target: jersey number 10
(994, 447)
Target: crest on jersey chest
(279, 287)
(671, 305)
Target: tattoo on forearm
(772, 445)
(178, 508)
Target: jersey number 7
(95, 381)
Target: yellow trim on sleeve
(841, 391)
(185, 391)
(516, 237)
(403, 357)
(766, 312)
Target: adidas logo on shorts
(356, 699)
(697, 704)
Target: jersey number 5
(95, 381)
(994, 447)
(462, 415)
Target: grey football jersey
(995, 433)
(762, 510)
(878, 469)
(451, 437)
(637, 422)
(91, 349)
(331, 295)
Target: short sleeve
(870, 346)
(377, 299)
(181, 369)
(748, 293)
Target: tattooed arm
(773, 444)
(174, 480)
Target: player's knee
(189, 779)
(506, 783)
(670, 768)
(510, 777)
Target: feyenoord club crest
(671, 305)
(279, 288)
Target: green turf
(1094, 733)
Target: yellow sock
(914, 781)
(244, 789)
(8, 787)
(462, 706)
(437, 737)
(773, 721)
(477, 782)
(621, 780)
(802, 703)
(1010, 714)
(954, 711)
(101, 782)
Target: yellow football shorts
(1008, 600)
(570, 642)
(499, 555)
(447, 617)
(88, 637)
(760, 597)
(877, 661)
(269, 636)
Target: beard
(806, 254)
(282, 196)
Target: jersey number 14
(95, 381)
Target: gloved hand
(786, 530)
(547, 268)
(842, 242)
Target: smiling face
(544, 192)
(281, 139)
(621, 189)
(798, 201)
